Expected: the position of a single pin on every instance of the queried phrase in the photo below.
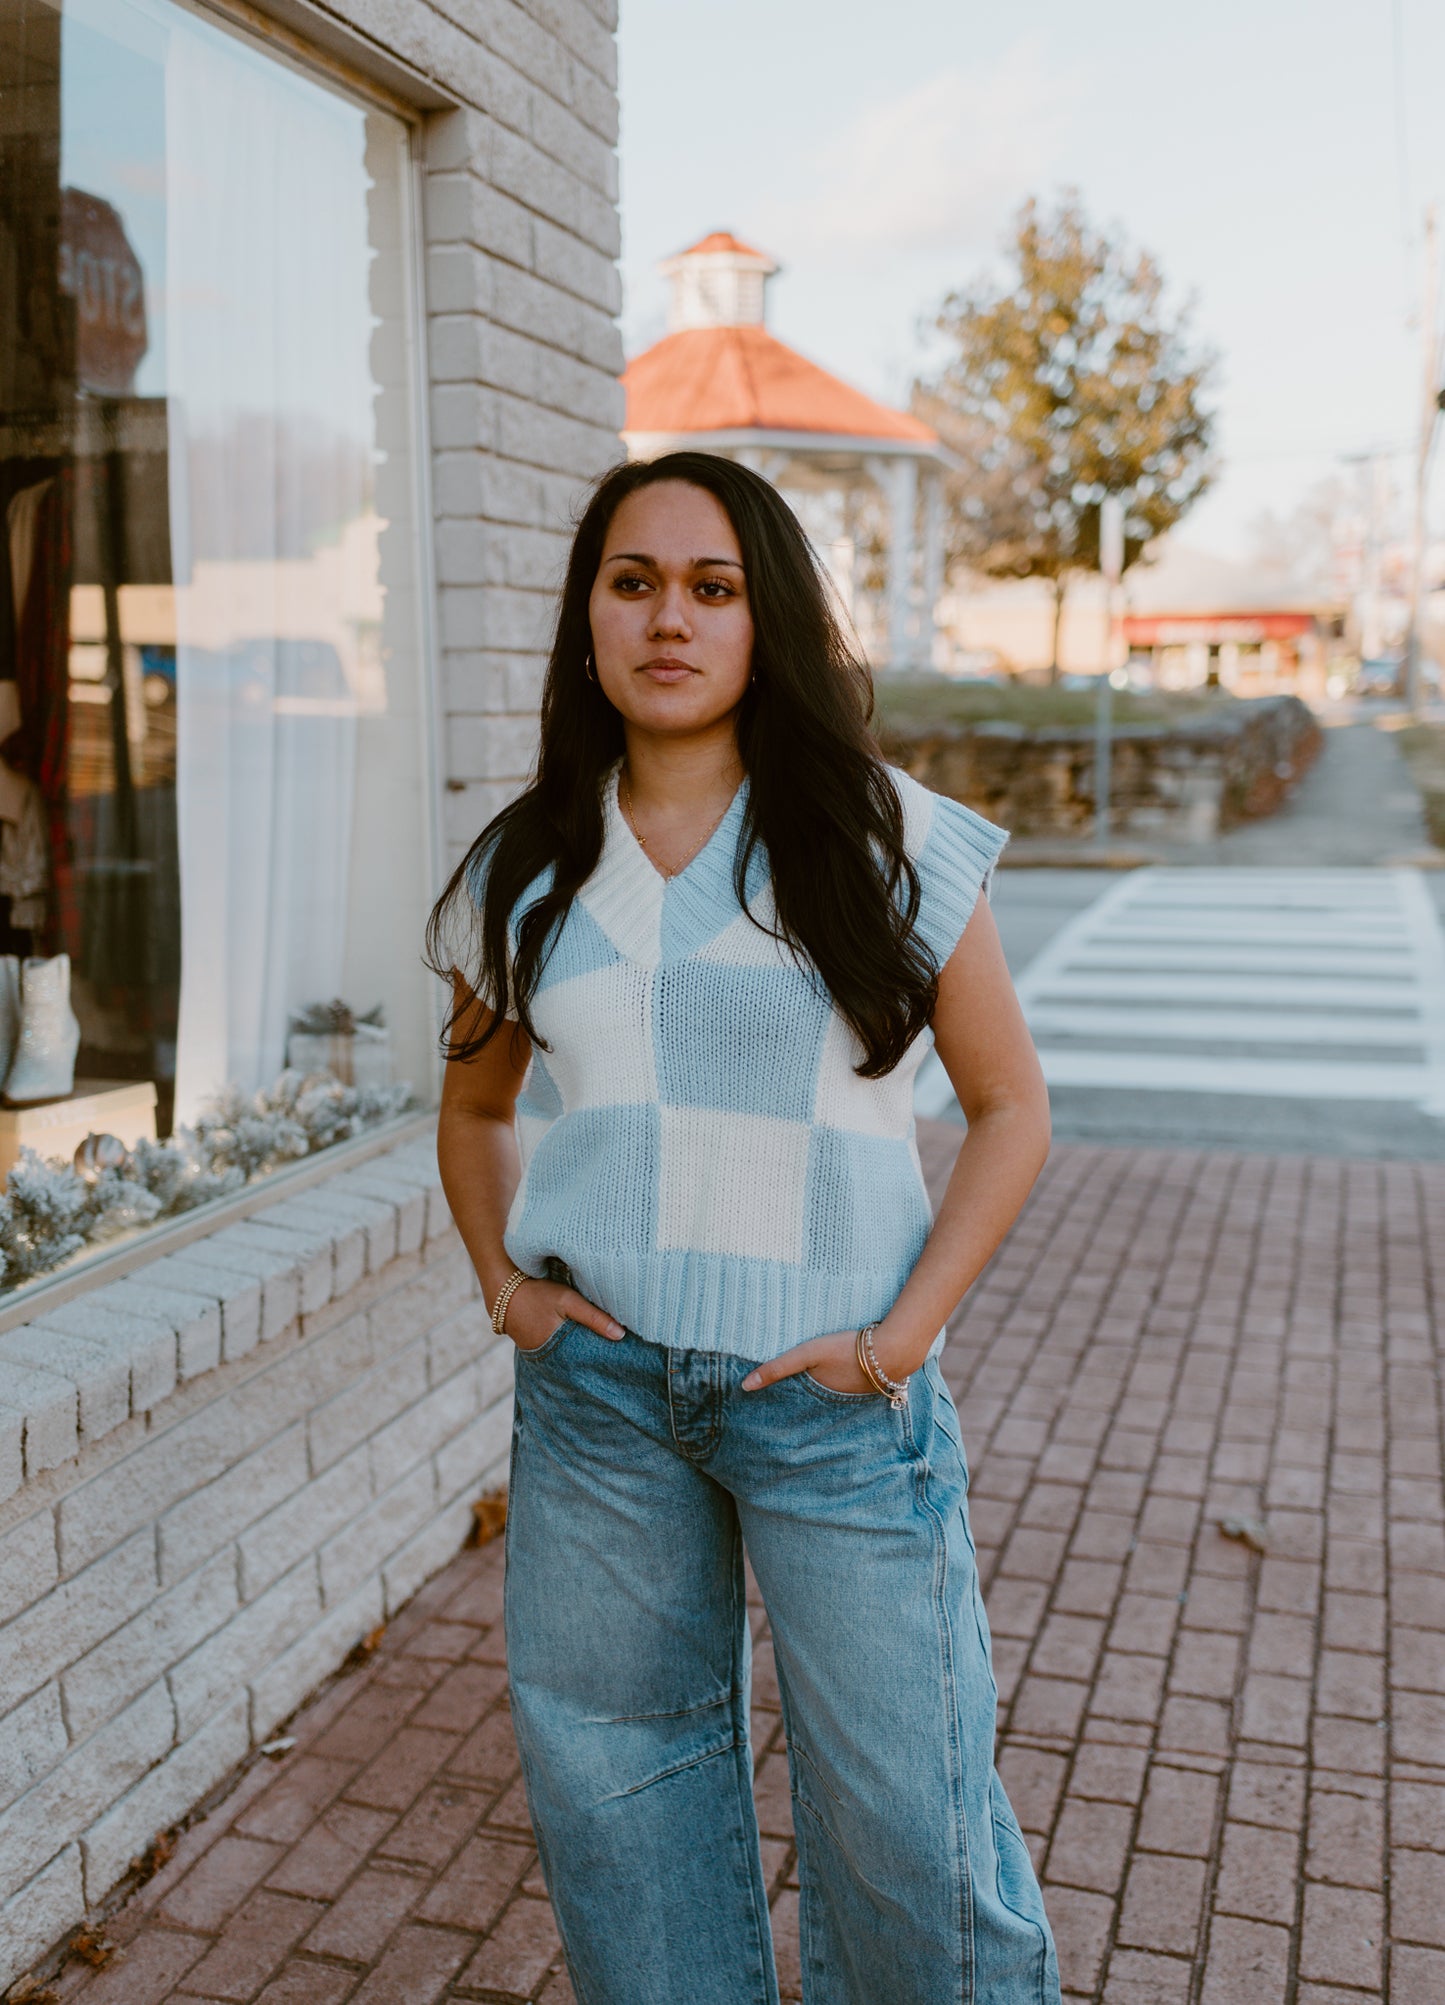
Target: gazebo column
(932, 561)
(902, 502)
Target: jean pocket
(536, 1352)
(831, 1395)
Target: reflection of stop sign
(102, 274)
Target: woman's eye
(716, 588)
(626, 584)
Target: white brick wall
(174, 1588)
(219, 1473)
(523, 292)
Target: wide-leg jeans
(639, 1476)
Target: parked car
(1380, 675)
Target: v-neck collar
(620, 830)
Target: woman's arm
(477, 1156)
(986, 1050)
(984, 1044)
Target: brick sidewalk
(1231, 1767)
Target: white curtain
(267, 328)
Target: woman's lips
(667, 671)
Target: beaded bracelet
(503, 1302)
(894, 1390)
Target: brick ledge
(78, 1361)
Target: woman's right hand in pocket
(538, 1310)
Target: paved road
(1282, 990)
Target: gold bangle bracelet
(894, 1390)
(503, 1302)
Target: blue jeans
(639, 1475)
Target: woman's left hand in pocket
(832, 1360)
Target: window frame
(344, 62)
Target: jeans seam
(813, 1967)
(678, 1768)
(668, 1713)
(743, 1784)
(948, 1643)
(999, 1827)
(518, 1729)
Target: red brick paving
(1230, 1766)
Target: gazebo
(718, 381)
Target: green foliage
(914, 703)
(1068, 381)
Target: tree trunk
(1061, 585)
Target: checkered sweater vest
(696, 1145)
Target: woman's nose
(669, 612)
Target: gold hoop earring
(590, 667)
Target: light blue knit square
(744, 1040)
(580, 948)
(854, 1182)
(592, 1182)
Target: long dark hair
(820, 804)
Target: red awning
(1250, 628)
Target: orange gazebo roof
(730, 379)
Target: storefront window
(213, 792)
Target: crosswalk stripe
(1273, 991)
(1343, 969)
(1213, 956)
(1228, 1026)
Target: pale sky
(1275, 155)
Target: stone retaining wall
(1181, 782)
(227, 1471)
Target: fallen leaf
(1248, 1531)
(90, 1945)
(491, 1516)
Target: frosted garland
(49, 1211)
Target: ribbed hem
(747, 1308)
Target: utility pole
(1429, 422)
(1111, 564)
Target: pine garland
(49, 1211)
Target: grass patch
(1424, 748)
(910, 703)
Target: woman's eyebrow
(698, 563)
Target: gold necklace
(624, 801)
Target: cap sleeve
(954, 852)
(460, 939)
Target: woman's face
(672, 631)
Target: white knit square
(732, 1183)
(742, 944)
(625, 893)
(864, 1106)
(599, 1027)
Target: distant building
(1196, 617)
(719, 381)
(1252, 652)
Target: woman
(696, 967)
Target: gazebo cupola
(719, 381)
(718, 283)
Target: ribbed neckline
(619, 829)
